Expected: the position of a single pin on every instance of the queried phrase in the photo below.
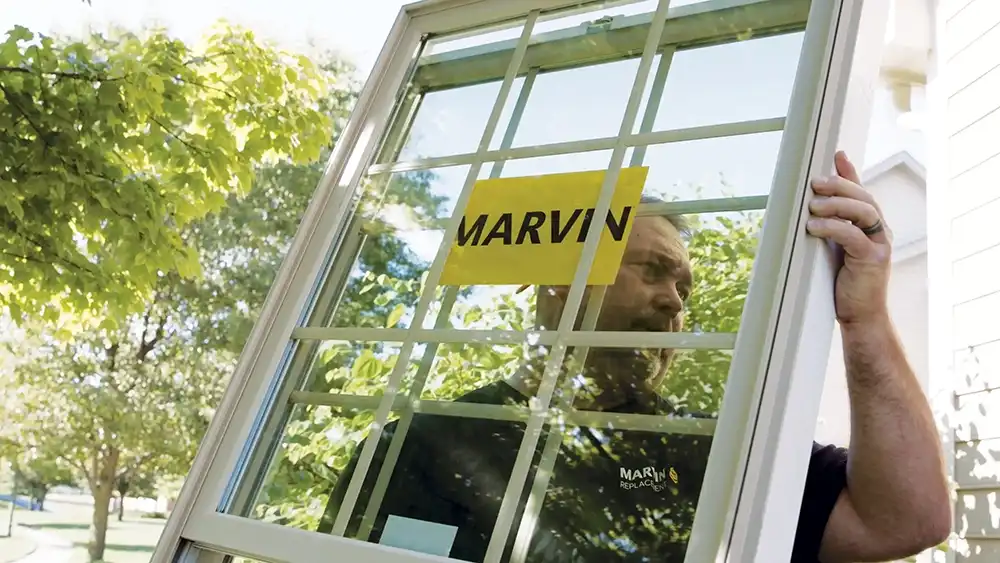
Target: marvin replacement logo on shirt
(647, 477)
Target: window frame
(780, 309)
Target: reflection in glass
(460, 369)
(353, 368)
(680, 273)
(318, 443)
(451, 121)
(609, 481)
(387, 250)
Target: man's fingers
(846, 168)
(850, 237)
(858, 212)
(842, 187)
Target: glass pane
(459, 369)
(569, 101)
(318, 443)
(614, 493)
(618, 469)
(608, 476)
(444, 114)
(735, 166)
(682, 273)
(388, 249)
(737, 81)
(449, 477)
(595, 108)
(353, 368)
(450, 121)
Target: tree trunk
(102, 488)
(123, 487)
(13, 505)
(99, 522)
(40, 494)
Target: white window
(368, 381)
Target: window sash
(254, 390)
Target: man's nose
(667, 300)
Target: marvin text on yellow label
(531, 230)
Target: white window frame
(786, 325)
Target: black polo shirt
(614, 495)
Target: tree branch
(112, 352)
(128, 471)
(13, 102)
(26, 258)
(147, 346)
(222, 91)
(206, 58)
(61, 74)
(175, 136)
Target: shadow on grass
(58, 526)
(120, 547)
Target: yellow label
(531, 230)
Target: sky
(356, 29)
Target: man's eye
(654, 270)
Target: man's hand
(840, 214)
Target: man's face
(648, 295)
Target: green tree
(105, 406)
(139, 482)
(115, 143)
(160, 370)
(36, 472)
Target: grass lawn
(129, 541)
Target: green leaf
(395, 315)
(188, 265)
(14, 206)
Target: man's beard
(619, 375)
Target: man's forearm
(895, 475)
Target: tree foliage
(115, 143)
(37, 472)
(131, 399)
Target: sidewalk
(50, 547)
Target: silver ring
(875, 229)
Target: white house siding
(969, 84)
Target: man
(622, 495)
